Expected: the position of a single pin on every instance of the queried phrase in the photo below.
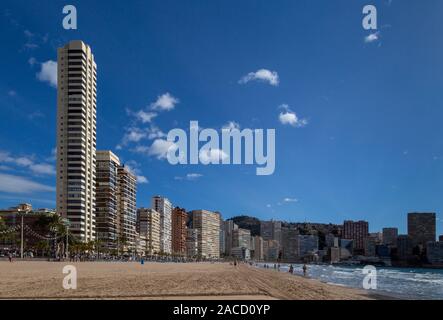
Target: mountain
(246, 222)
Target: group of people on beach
(291, 268)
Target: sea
(399, 283)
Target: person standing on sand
(10, 257)
(291, 269)
(304, 269)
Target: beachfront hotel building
(148, 226)
(421, 228)
(227, 228)
(208, 225)
(289, 245)
(127, 209)
(179, 233)
(271, 230)
(241, 238)
(258, 248)
(107, 209)
(76, 138)
(389, 237)
(356, 231)
(164, 207)
(191, 243)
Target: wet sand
(130, 280)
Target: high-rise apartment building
(270, 250)
(404, 247)
(148, 225)
(390, 236)
(107, 215)
(127, 208)
(357, 231)
(227, 228)
(76, 138)
(421, 228)
(179, 233)
(306, 245)
(192, 242)
(271, 230)
(241, 238)
(208, 225)
(258, 248)
(164, 207)
(289, 244)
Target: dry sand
(130, 280)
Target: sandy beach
(130, 280)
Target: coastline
(178, 281)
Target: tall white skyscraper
(76, 138)
(164, 207)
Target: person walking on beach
(304, 269)
(291, 269)
(10, 256)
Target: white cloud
(290, 200)
(165, 102)
(32, 61)
(231, 125)
(27, 162)
(212, 156)
(142, 179)
(145, 117)
(372, 37)
(190, 177)
(263, 75)
(28, 33)
(134, 168)
(158, 149)
(48, 73)
(134, 135)
(30, 45)
(23, 161)
(15, 184)
(155, 133)
(290, 117)
(42, 168)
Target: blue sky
(371, 146)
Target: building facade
(179, 233)
(191, 243)
(164, 207)
(289, 243)
(357, 231)
(271, 230)
(434, 252)
(148, 226)
(107, 215)
(258, 248)
(421, 228)
(76, 138)
(241, 238)
(127, 208)
(390, 236)
(227, 228)
(208, 225)
(307, 245)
